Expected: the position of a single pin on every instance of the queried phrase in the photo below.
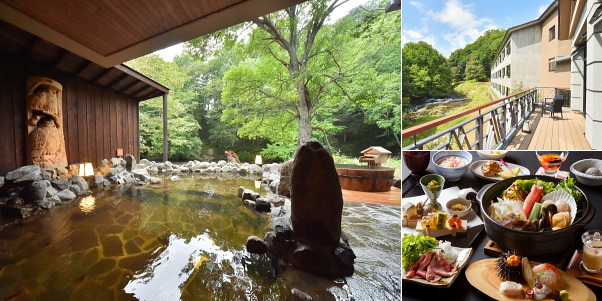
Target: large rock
(60, 184)
(262, 205)
(316, 197)
(19, 211)
(66, 195)
(117, 161)
(284, 184)
(80, 182)
(26, 172)
(308, 236)
(141, 174)
(130, 162)
(35, 191)
(256, 245)
(249, 194)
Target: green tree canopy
(183, 139)
(482, 51)
(300, 75)
(474, 70)
(425, 71)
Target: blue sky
(452, 24)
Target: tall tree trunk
(304, 120)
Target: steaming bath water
(181, 241)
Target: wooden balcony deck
(553, 133)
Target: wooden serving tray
(482, 276)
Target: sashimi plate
(482, 275)
(462, 259)
(475, 168)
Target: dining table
(461, 289)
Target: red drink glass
(551, 160)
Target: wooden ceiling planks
(120, 79)
(109, 26)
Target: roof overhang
(110, 32)
(19, 45)
(511, 30)
(560, 59)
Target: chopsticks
(510, 169)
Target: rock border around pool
(26, 190)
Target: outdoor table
(461, 289)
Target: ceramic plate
(463, 257)
(482, 276)
(475, 168)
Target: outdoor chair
(555, 106)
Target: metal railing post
(479, 131)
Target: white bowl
(450, 204)
(492, 154)
(452, 173)
(578, 169)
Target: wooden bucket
(365, 178)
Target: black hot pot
(534, 244)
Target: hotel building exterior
(533, 55)
(560, 49)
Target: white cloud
(542, 8)
(413, 34)
(420, 34)
(417, 4)
(464, 26)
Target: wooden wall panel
(106, 113)
(99, 135)
(7, 123)
(96, 121)
(19, 115)
(71, 130)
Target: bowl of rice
(452, 165)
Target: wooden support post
(165, 157)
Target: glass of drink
(592, 251)
(416, 161)
(551, 160)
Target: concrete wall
(577, 74)
(561, 77)
(526, 48)
(593, 117)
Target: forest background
(267, 85)
(427, 74)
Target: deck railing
(494, 126)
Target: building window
(508, 70)
(552, 32)
(551, 65)
(508, 49)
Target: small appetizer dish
(588, 171)
(458, 206)
(452, 165)
(495, 171)
(492, 154)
